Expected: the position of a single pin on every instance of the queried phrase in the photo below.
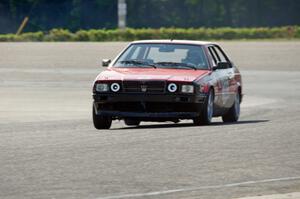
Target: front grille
(144, 86)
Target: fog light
(101, 87)
(187, 88)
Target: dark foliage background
(96, 14)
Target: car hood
(186, 75)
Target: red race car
(167, 80)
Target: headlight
(115, 87)
(101, 87)
(172, 87)
(187, 88)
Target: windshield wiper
(176, 64)
(138, 62)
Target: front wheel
(233, 113)
(101, 122)
(206, 113)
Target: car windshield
(181, 56)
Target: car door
(231, 85)
(218, 75)
(222, 96)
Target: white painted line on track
(155, 193)
(294, 195)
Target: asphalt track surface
(49, 148)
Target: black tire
(206, 113)
(233, 113)
(132, 122)
(101, 122)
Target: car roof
(174, 42)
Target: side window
(220, 54)
(213, 55)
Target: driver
(193, 57)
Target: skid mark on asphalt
(155, 193)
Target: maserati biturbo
(167, 80)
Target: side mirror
(105, 62)
(222, 65)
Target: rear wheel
(206, 113)
(132, 122)
(101, 122)
(234, 112)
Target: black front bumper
(148, 106)
(148, 115)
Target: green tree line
(75, 15)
